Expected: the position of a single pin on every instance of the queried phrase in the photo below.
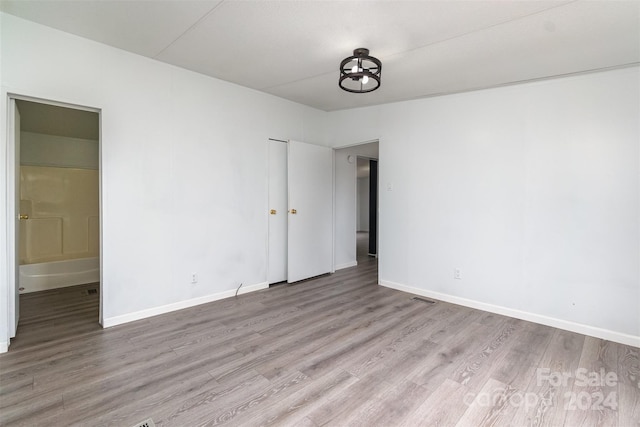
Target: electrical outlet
(457, 274)
(194, 278)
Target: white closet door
(310, 231)
(277, 212)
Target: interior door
(13, 232)
(310, 185)
(277, 212)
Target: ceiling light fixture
(360, 73)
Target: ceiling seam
(485, 28)
(188, 30)
(500, 85)
(431, 44)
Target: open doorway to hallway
(354, 218)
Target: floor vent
(91, 292)
(146, 423)
(424, 300)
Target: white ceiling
(292, 49)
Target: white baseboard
(580, 328)
(155, 311)
(4, 346)
(346, 265)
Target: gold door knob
(293, 211)
(272, 212)
(23, 216)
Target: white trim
(579, 328)
(155, 311)
(346, 265)
(4, 346)
(55, 103)
(333, 211)
(13, 224)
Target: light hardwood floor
(337, 350)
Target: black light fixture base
(361, 51)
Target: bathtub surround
(530, 190)
(63, 209)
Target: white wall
(532, 191)
(345, 202)
(183, 162)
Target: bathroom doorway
(57, 282)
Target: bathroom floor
(55, 314)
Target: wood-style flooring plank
(593, 400)
(493, 405)
(389, 408)
(443, 407)
(294, 410)
(628, 375)
(545, 390)
(341, 405)
(519, 365)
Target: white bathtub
(58, 274)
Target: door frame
(355, 178)
(8, 252)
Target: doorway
(56, 188)
(356, 210)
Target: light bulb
(365, 80)
(354, 69)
